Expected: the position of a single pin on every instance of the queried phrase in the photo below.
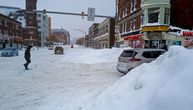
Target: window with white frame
(124, 26)
(131, 24)
(126, 11)
(131, 6)
(166, 16)
(134, 23)
(153, 15)
(135, 5)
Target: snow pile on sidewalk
(92, 56)
(165, 84)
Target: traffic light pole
(66, 13)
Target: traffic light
(44, 12)
(82, 14)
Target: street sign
(91, 14)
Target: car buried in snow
(131, 58)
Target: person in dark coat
(27, 57)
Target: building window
(153, 15)
(135, 4)
(132, 24)
(31, 17)
(39, 15)
(131, 6)
(1, 22)
(124, 27)
(167, 16)
(142, 17)
(6, 23)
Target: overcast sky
(102, 7)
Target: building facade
(10, 32)
(43, 28)
(92, 33)
(30, 30)
(105, 36)
(156, 22)
(129, 22)
(59, 36)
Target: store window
(166, 16)
(153, 15)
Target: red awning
(133, 37)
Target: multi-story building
(129, 22)
(30, 30)
(10, 32)
(153, 23)
(60, 36)
(93, 30)
(156, 22)
(106, 31)
(43, 28)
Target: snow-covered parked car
(9, 52)
(131, 58)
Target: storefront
(187, 38)
(155, 36)
(4, 41)
(134, 41)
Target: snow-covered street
(87, 79)
(56, 82)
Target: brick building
(59, 36)
(129, 21)
(182, 17)
(153, 23)
(10, 32)
(30, 30)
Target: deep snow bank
(165, 84)
(92, 56)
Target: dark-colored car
(131, 58)
(59, 50)
(9, 52)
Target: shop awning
(133, 37)
(187, 33)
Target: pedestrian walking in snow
(27, 57)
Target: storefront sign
(155, 28)
(133, 37)
(187, 33)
